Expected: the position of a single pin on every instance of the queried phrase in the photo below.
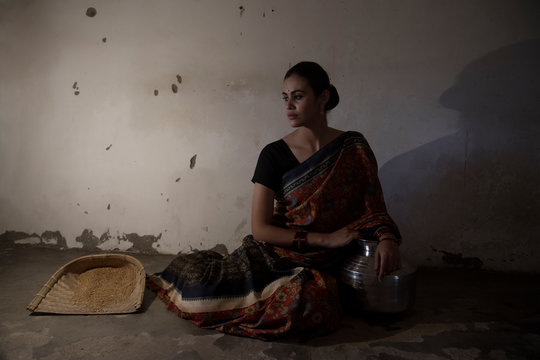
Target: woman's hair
(318, 79)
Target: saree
(264, 291)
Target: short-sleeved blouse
(275, 160)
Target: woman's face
(302, 106)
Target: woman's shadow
(472, 199)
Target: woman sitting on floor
(315, 191)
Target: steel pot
(396, 293)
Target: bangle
(389, 238)
(300, 239)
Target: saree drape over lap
(263, 291)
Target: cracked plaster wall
(136, 125)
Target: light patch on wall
(29, 241)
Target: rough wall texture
(136, 125)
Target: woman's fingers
(387, 259)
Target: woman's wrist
(300, 240)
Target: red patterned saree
(265, 292)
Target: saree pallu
(265, 292)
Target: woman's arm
(262, 210)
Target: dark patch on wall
(177, 179)
(109, 207)
(104, 39)
(76, 88)
(108, 147)
(49, 238)
(458, 259)
(86, 212)
(11, 236)
(88, 240)
(179, 79)
(156, 92)
(91, 12)
(242, 9)
(54, 238)
(174, 88)
(192, 161)
(141, 244)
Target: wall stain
(179, 79)
(458, 259)
(48, 238)
(177, 179)
(109, 207)
(240, 226)
(108, 147)
(104, 39)
(192, 161)
(242, 9)
(156, 92)
(174, 88)
(141, 244)
(53, 238)
(88, 240)
(76, 88)
(240, 202)
(91, 12)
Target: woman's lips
(292, 116)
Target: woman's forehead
(295, 83)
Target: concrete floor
(459, 314)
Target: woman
(315, 191)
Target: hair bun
(333, 100)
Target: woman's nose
(288, 104)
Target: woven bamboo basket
(93, 284)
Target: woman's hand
(387, 258)
(339, 238)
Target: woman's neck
(315, 138)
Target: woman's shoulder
(277, 145)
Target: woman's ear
(323, 99)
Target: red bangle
(300, 239)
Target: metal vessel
(396, 292)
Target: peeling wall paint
(190, 99)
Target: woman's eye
(298, 97)
(285, 99)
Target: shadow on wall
(473, 198)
